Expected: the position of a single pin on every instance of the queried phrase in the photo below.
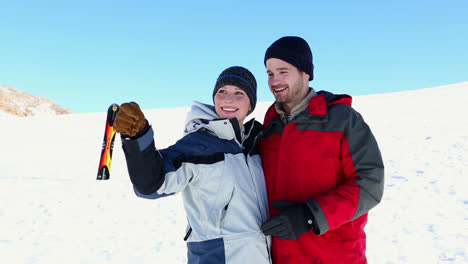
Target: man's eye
(240, 93)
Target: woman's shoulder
(202, 142)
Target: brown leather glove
(129, 120)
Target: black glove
(295, 220)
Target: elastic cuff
(141, 132)
(310, 216)
(143, 141)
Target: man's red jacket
(328, 158)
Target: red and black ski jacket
(328, 158)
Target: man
(323, 168)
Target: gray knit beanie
(239, 77)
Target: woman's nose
(228, 97)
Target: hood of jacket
(203, 116)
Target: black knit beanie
(239, 77)
(293, 50)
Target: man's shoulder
(343, 112)
(335, 99)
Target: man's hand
(130, 119)
(295, 220)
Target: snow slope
(52, 210)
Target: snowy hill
(52, 210)
(20, 103)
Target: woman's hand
(130, 119)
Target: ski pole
(107, 144)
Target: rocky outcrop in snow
(20, 103)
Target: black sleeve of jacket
(145, 167)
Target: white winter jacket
(218, 170)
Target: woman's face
(231, 101)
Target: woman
(215, 166)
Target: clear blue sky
(88, 54)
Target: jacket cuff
(320, 220)
(139, 134)
(144, 140)
(310, 216)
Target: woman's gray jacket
(218, 170)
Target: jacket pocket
(222, 214)
(187, 234)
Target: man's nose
(274, 80)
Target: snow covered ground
(52, 209)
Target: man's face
(287, 83)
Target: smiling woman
(215, 166)
(235, 93)
(232, 102)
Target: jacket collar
(203, 117)
(316, 111)
(285, 117)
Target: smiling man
(322, 165)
